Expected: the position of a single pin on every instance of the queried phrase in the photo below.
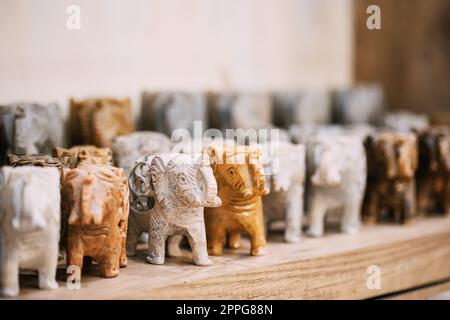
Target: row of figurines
(29, 128)
(211, 197)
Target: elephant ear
(160, 179)
(141, 187)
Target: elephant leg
(294, 215)
(446, 199)
(409, 204)
(9, 275)
(197, 240)
(317, 216)
(47, 272)
(215, 238)
(109, 264)
(173, 246)
(157, 237)
(75, 253)
(257, 239)
(424, 196)
(351, 222)
(123, 260)
(371, 207)
(234, 240)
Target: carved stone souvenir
(169, 192)
(285, 178)
(232, 110)
(392, 164)
(129, 148)
(241, 184)
(405, 121)
(167, 111)
(433, 173)
(30, 128)
(358, 104)
(336, 166)
(301, 107)
(96, 201)
(83, 155)
(98, 121)
(29, 225)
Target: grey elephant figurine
(129, 148)
(169, 192)
(167, 111)
(30, 128)
(285, 178)
(29, 225)
(301, 107)
(406, 121)
(232, 110)
(359, 104)
(336, 179)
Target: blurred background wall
(126, 46)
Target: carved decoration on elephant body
(129, 148)
(29, 225)
(96, 201)
(167, 111)
(285, 179)
(241, 184)
(30, 128)
(85, 155)
(169, 192)
(98, 121)
(392, 164)
(433, 174)
(336, 180)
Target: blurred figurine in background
(391, 190)
(29, 225)
(303, 107)
(433, 174)
(241, 184)
(285, 176)
(167, 111)
(96, 200)
(98, 121)
(244, 110)
(405, 121)
(358, 104)
(129, 148)
(336, 179)
(82, 155)
(30, 128)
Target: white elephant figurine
(29, 225)
(30, 128)
(169, 193)
(336, 179)
(286, 178)
(406, 121)
(129, 148)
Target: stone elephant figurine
(30, 128)
(406, 121)
(98, 121)
(241, 184)
(301, 107)
(359, 104)
(169, 192)
(96, 200)
(433, 173)
(286, 179)
(392, 164)
(129, 148)
(245, 110)
(336, 180)
(167, 111)
(82, 155)
(29, 225)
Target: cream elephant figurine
(29, 225)
(285, 176)
(337, 173)
(169, 192)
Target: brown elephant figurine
(392, 160)
(96, 199)
(433, 174)
(241, 184)
(82, 155)
(98, 121)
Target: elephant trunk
(86, 198)
(211, 199)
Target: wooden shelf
(332, 267)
